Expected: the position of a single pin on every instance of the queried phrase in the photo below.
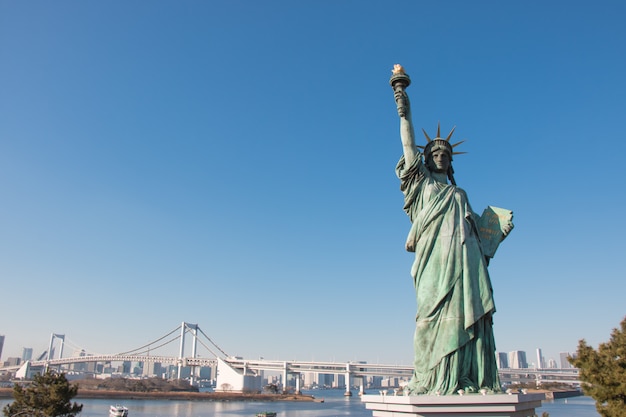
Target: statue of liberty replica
(454, 343)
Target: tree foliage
(49, 395)
(603, 372)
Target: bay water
(334, 405)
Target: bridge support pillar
(194, 329)
(298, 391)
(181, 353)
(348, 393)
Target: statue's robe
(454, 344)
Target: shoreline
(179, 395)
(192, 396)
(233, 396)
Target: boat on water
(118, 411)
(266, 414)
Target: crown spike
(426, 134)
(438, 129)
(458, 143)
(458, 153)
(450, 134)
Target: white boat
(118, 411)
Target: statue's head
(437, 145)
(438, 153)
(438, 159)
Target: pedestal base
(469, 405)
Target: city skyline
(505, 360)
(27, 353)
(232, 164)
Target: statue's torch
(399, 82)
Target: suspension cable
(154, 348)
(149, 344)
(207, 348)
(213, 343)
(69, 343)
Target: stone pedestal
(469, 405)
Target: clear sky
(231, 164)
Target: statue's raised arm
(399, 82)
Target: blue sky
(231, 164)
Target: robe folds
(454, 344)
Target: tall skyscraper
(517, 359)
(27, 354)
(540, 361)
(502, 360)
(564, 362)
(1, 344)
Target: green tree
(49, 395)
(603, 372)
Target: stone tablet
(490, 228)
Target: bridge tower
(183, 330)
(50, 351)
(50, 354)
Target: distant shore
(232, 396)
(558, 393)
(194, 396)
(179, 395)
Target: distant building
(27, 354)
(12, 361)
(502, 360)
(564, 362)
(151, 369)
(185, 372)
(325, 380)
(391, 382)
(234, 380)
(552, 364)
(540, 361)
(1, 344)
(517, 359)
(309, 380)
(376, 381)
(93, 367)
(339, 381)
(171, 371)
(317, 380)
(136, 368)
(207, 372)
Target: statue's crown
(439, 143)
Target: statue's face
(439, 161)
